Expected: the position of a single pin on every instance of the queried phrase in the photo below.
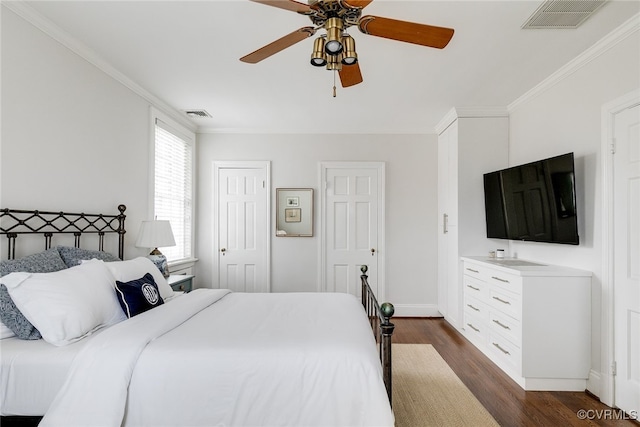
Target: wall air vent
(198, 114)
(562, 13)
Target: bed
(208, 357)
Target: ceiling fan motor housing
(323, 10)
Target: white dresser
(532, 320)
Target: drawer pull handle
(501, 300)
(476, 309)
(473, 327)
(499, 279)
(501, 324)
(472, 270)
(473, 287)
(501, 349)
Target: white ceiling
(186, 54)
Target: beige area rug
(426, 391)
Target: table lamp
(156, 234)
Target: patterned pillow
(138, 296)
(43, 262)
(72, 256)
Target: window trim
(189, 136)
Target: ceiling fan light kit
(350, 56)
(333, 26)
(336, 49)
(318, 58)
(347, 55)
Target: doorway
(621, 249)
(626, 262)
(241, 225)
(352, 226)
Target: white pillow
(133, 269)
(5, 332)
(67, 305)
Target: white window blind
(174, 188)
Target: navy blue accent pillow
(138, 296)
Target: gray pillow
(43, 262)
(72, 255)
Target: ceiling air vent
(562, 13)
(198, 114)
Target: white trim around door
(603, 384)
(216, 168)
(380, 250)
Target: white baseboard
(601, 385)
(594, 383)
(416, 310)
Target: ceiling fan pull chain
(334, 83)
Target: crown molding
(29, 14)
(277, 131)
(625, 30)
(469, 112)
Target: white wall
(567, 117)
(411, 204)
(73, 138)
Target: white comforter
(213, 358)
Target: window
(173, 185)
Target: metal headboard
(16, 221)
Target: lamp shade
(155, 234)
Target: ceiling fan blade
(350, 75)
(291, 5)
(409, 32)
(278, 45)
(358, 3)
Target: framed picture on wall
(292, 215)
(294, 212)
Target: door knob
(373, 251)
(223, 250)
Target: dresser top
(523, 267)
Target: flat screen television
(533, 202)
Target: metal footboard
(379, 316)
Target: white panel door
(443, 220)
(352, 220)
(627, 259)
(242, 218)
(449, 286)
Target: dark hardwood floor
(509, 404)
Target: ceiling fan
(336, 49)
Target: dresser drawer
(475, 271)
(506, 281)
(476, 308)
(475, 288)
(506, 326)
(504, 350)
(505, 302)
(475, 328)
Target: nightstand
(181, 282)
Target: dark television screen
(534, 202)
